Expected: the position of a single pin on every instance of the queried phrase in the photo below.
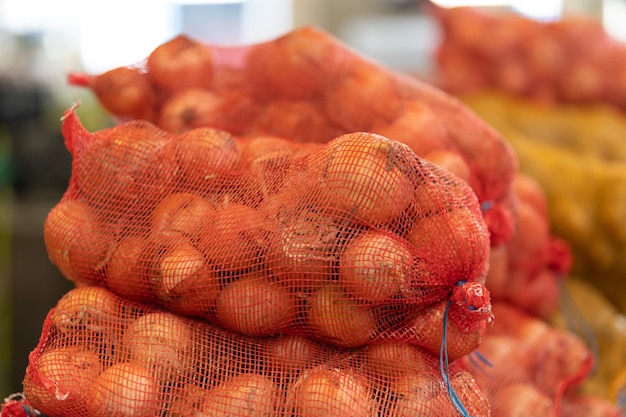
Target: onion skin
(181, 213)
(161, 343)
(238, 236)
(59, 380)
(335, 318)
(246, 395)
(454, 244)
(180, 64)
(75, 243)
(186, 283)
(85, 310)
(255, 306)
(374, 267)
(126, 93)
(298, 65)
(125, 390)
(375, 190)
(329, 392)
(520, 400)
(127, 270)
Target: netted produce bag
(101, 355)
(576, 154)
(587, 312)
(525, 366)
(573, 59)
(529, 270)
(351, 241)
(307, 86)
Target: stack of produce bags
(289, 229)
(568, 60)
(563, 114)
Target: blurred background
(41, 41)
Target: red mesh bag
(101, 355)
(526, 367)
(307, 86)
(527, 271)
(349, 241)
(571, 60)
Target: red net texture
(101, 355)
(350, 241)
(290, 229)
(309, 87)
(527, 367)
(528, 270)
(570, 60)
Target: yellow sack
(587, 312)
(586, 192)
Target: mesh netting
(101, 355)
(528, 270)
(527, 367)
(350, 241)
(573, 59)
(308, 87)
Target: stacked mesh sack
(555, 91)
(563, 112)
(304, 233)
(572, 59)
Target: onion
(299, 65)
(338, 319)
(255, 306)
(74, 242)
(455, 244)
(440, 192)
(470, 395)
(237, 239)
(376, 267)
(303, 248)
(187, 401)
(186, 283)
(497, 280)
(387, 361)
(181, 213)
(421, 394)
(521, 400)
(123, 167)
(529, 190)
(528, 248)
(362, 176)
(289, 354)
(59, 380)
(268, 160)
(450, 161)
(161, 343)
(330, 392)
(509, 364)
(198, 108)
(207, 158)
(366, 97)
(127, 271)
(298, 120)
(425, 329)
(179, 64)
(246, 395)
(126, 92)
(418, 126)
(125, 390)
(86, 309)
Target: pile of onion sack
(287, 229)
(571, 60)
